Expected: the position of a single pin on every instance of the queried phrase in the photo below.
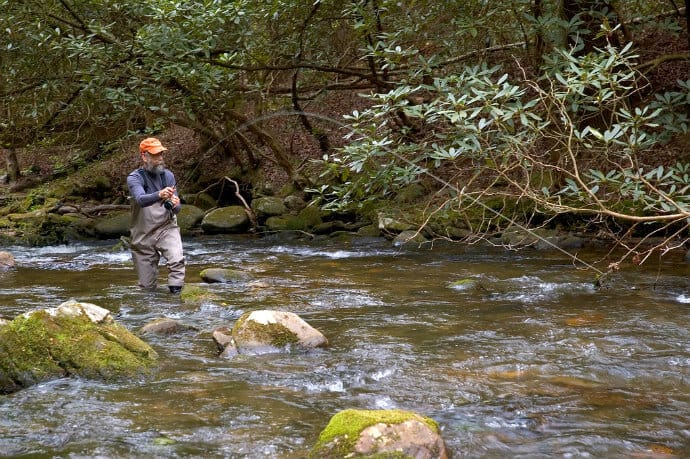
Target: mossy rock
(369, 231)
(39, 228)
(379, 434)
(464, 284)
(69, 340)
(266, 331)
(201, 200)
(231, 219)
(409, 237)
(114, 225)
(189, 218)
(268, 206)
(311, 216)
(285, 223)
(307, 219)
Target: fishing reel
(168, 204)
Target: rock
(268, 206)
(7, 261)
(306, 219)
(380, 433)
(515, 236)
(285, 223)
(225, 220)
(72, 308)
(294, 203)
(114, 225)
(265, 331)
(189, 218)
(201, 200)
(369, 231)
(409, 237)
(464, 284)
(389, 224)
(66, 209)
(223, 275)
(222, 336)
(165, 326)
(79, 339)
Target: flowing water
(529, 360)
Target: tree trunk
(539, 44)
(687, 21)
(12, 162)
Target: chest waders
(155, 233)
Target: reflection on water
(527, 360)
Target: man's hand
(167, 193)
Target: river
(529, 360)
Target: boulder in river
(165, 326)
(380, 433)
(73, 339)
(266, 331)
(223, 275)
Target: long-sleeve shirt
(149, 215)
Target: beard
(157, 169)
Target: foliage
(545, 99)
(575, 138)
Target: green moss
(274, 334)
(339, 437)
(193, 294)
(462, 283)
(24, 359)
(39, 347)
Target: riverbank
(63, 198)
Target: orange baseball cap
(151, 145)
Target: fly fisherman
(154, 231)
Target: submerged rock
(79, 339)
(260, 332)
(165, 326)
(380, 433)
(6, 261)
(223, 275)
(196, 295)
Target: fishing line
(460, 192)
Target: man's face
(153, 163)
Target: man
(154, 231)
